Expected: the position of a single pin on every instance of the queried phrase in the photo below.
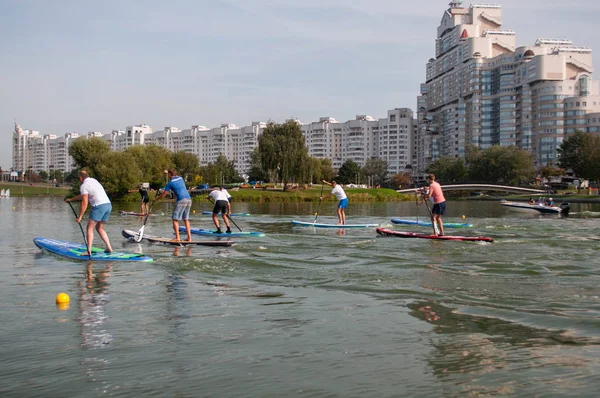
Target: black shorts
(220, 207)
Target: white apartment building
(481, 89)
(363, 138)
(35, 152)
(389, 138)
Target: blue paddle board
(77, 251)
(201, 231)
(321, 225)
(428, 223)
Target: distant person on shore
(439, 204)
(93, 193)
(338, 191)
(183, 203)
(221, 199)
(145, 198)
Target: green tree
(551, 171)
(118, 172)
(89, 153)
(348, 173)
(580, 152)
(378, 169)
(151, 160)
(186, 164)
(283, 152)
(256, 172)
(43, 175)
(448, 169)
(327, 170)
(227, 170)
(502, 165)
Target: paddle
(230, 219)
(433, 223)
(319, 206)
(417, 204)
(81, 228)
(140, 234)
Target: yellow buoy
(62, 298)
(193, 211)
(464, 217)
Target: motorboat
(539, 207)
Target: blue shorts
(439, 208)
(182, 209)
(343, 204)
(101, 212)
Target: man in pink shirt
(439, 204)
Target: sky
(89, 65)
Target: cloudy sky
(89, 65)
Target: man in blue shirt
(183, 204)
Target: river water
(304, 312)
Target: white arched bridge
(482, 187)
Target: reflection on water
(92, 302)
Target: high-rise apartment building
(481, 89)
(34, 152)
(364, 138)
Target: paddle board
(402, 234)
(131, 213)
(428, 223)
(232, 214)
(201, 231)
(320, 225)
(77, 251)
(155, 239)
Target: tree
(551, 171)
(88, 153)
(283, 152)
(448, 169)
(226, 169)
(256, 172)
(580, 152)
(327, 170)
(400, 180)
(376, 168)
(43, 175)
(151, 160)
(186, 164)
(118, 172)
(348, 173)
(502, 165)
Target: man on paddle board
(338, 191)
(93, 193)
(183, 203)
(145, 198)
(439, 203)
(222, 205)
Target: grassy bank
(312, 195)
(17, 189)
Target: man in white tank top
(92, 192)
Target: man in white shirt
(92, 192)
(222, 206)
(338, 191)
